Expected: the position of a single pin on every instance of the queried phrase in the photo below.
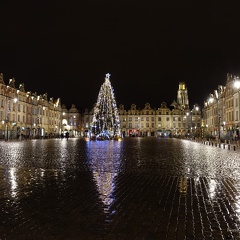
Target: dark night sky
(65, 48)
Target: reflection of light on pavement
(63, 155)
(105, 184)
(183, 184)
(237, 207)
(197, 179)
(103, 158)
(212, 188)
(13, 182)
(42, 172)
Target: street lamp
(32, 119)
(7, 118)
(210, 104)
(237, 86)
(138, 125)
(206, 135)
(189, 125)
(218, 113)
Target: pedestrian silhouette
(67, 135)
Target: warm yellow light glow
(237, 84)
(13, 182)
(210, 99)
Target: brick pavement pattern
(146, 207)
(143, 205)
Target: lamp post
(237, 86)
(7, 118)
(218, 114)
(210, 101)
(7, 115)
(206, 135)
(32, 119)
(189, 126)
(14, 123)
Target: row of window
(137, 119)
(147, 125)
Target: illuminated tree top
(108, 75)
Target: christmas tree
(106, 123)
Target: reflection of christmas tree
(106, 122)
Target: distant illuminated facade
(71, 121)
(176, 120)
(222, 111)
(29, 115)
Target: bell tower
(182, 96)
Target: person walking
(67, 135)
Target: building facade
(27, 115)
(176, 120)
(221, 111)
(71, 121)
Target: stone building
(174, 120)
(71, 121)
(221, 111)
(27, 115)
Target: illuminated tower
(106, 123)
(182, 96)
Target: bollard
(234, 148)
(224, 146)
(228, 146)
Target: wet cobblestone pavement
(140, 188)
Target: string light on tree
(106, 123)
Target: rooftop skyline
(65, 49)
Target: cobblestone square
(141, 188)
